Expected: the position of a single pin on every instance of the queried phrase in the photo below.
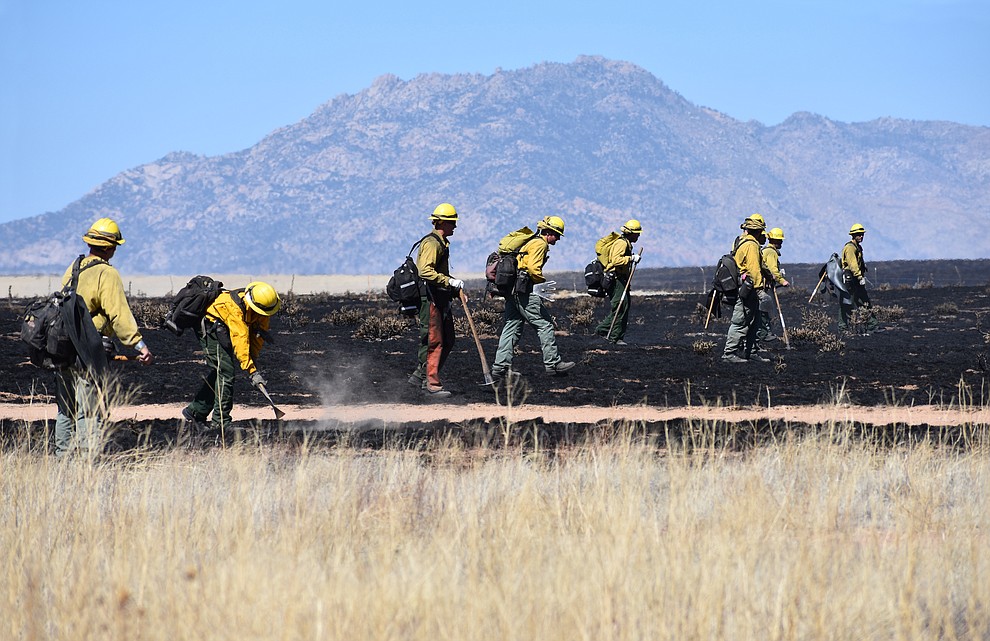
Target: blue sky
(91, 88)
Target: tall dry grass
(811, 538)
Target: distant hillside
(348, 189)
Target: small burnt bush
(345, 316)
(149, 312)
(582, 311)
(382, 327)
(816, 328)
(293, 312)
(487, 317)
(703, 347)
(946, 309)
(888, 314)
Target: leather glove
(258, 379)
(546, 290)
(456, 283)
(862, 280)
(635, 258)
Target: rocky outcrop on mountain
(349, 189)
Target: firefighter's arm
(532, 260)
(849, 260)
(426, 263)
(113, 302)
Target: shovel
(780, 313)
(278, 413)
(484, 362)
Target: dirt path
(395, 414)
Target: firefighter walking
(525, 305)
(771, 263)
(436, 320)
(618, 260)
(854, 277)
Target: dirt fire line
(397, 414)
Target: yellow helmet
(632, 226)
(444, 211)
(553, 223)
(262, 298)
(857, 229)
(776, 234)
(754, 222)
(103, 233)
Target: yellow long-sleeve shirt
(771, 260)
(433, 260)
(243, 325)
(852, 259)
(534, 255)
(749, 260)
(619, 254)
(101, 287)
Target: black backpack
(190, 304)
(405, 287)
(55, 330)
(502, 266)
(597, 279)
(726, 278)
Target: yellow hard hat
(103, 233)
(857, 229)
(262, 298)
(632, 226)
(776, 234)
(444, 211)
(553, 223)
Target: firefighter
(232, 334)
(80, 391)
(436, 320)
(740, 340)
(854, 277)
(526, 305)
(619, 261)
(773, 277)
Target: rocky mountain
(349, 189)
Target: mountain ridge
(349, 188)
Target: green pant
(741, 337)
(763, 327)
(436, 340)
(216, 394)
(81, 409)
(618, 313)
(519, 310)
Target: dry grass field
(820, 536)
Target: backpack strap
(739, 242)
(77, 269)
(418, 242)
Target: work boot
(416, 379)
(620, 342)
(508, 375)
(756, 356)
(560, 367)
(734, 358)
(194, 423)
(435, 393)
